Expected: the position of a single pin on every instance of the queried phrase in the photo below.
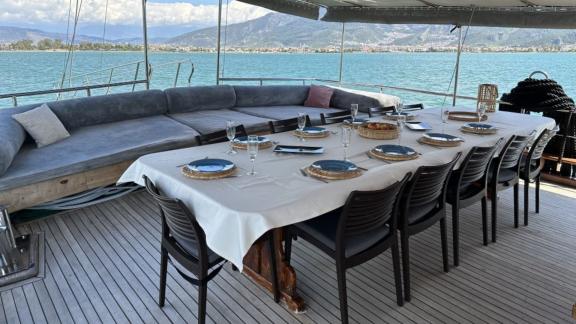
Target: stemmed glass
(400, 120)
(481, 109)
(354, 112)
(444, 112)
(345, 137)
(301, 125)
(231, 135)
(253, 144)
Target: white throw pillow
(43, 125)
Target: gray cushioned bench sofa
(114, 130)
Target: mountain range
(278, 30)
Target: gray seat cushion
(208, 121)
(97, 146)
(188, 99)
(12, 136)
(89, 111)
(256, 96)
(343, 99)
(323, 228)
(286, 112)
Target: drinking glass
(301, 125)
(480, 111)
(399, 108)
(252, 151)
(401, 121)
(444, 115)
(353, 111)
(231, 135)
(346, 134)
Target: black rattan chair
(184, 240)
(531, 168)
(379, 111)
(335, 117)
(413, 107)
(504, 174)
(285, 125)
(356, 233)
(219, 136)
(467, 186)
(423, 205)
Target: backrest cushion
(12, 136)
(343, 98)
(256, 96)
(189, 99)
(43, 125)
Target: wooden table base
(257, 266)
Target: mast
(145, 35)
(457, 71)
(218, 42)
(341, 54)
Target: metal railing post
(145, 35)
(457, 71)
(110, 80)
(88, 92)
(218, 42)
(341, 54)
(136, 75)
(177, 74)
(15, 101)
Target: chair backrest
(365, 211)
(179, 223)
(539, 145)
(510, 155)
(428, 187)
(219, 136)
(379, 111)
(335, 117)
(475, 165)
(412, 107)
(285, 125)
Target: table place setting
(392, 152)
(440, 139)
(241, 142)
(333, 170)
(209, 169)
(312, 132)
(394, 115)
(479, 129)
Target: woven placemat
(479, 131)
(428, 141)
(207, 175)
(465, 116)
(298, 133)
(380, 134)
(388, 157)
(244, 146)
(315, 172)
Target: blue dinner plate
(443, 137)
(479, 126)
(210, 165)
(335, 166)
(314, 130)
(391, 149)
(394, 113)
(244, 139)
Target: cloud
(123, 12)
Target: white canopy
(494, 13)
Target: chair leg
(526, 201)
(287, 246)
(537, 195)
(516, 209)
(444, 238)
(163, 273)
(494, 209)
(202, 292)
(484, 221)
(397, 275)
(342, 294)
(405, 265)
(275, 285)
(456, 233)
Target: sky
(124, 17)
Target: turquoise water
(27, 71)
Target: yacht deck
(102, 265)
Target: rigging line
(225, 38)
(70, 56)
(103, 34)
(461, 46)
(65, 67)
(77, 19)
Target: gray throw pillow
(43, 125)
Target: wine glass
(354, 112)
(399, 108)
(480, 111)
(444, 112)
(253, 144)
(301, 125)
(401, 121)
(231, 135)
(345, 137)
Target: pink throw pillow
(319, 96)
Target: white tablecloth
(235, 212)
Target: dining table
(236, 211)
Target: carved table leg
(257, 266)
